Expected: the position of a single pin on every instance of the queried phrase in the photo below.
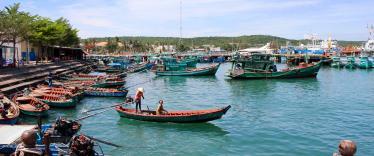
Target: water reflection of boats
(195, 127)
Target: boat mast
(180, 22)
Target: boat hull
(106, 94)
(311, 71)
(9, 121)
(109, 84)
(66, 104)
(139, 68)
(366, 64)
(27, 108)
(175, 117)
(198, 72)
(337, 65)
(351, 66)
(43, 113)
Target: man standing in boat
(138, 99)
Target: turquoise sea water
(268, 117)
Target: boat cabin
(171, 64)
(259, 62)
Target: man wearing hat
(138, 99)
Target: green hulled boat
(109, 70)
(191, 62)
(137, 67)
(260, 66)
(109, 84)
(182, 70)
(337, 63)
(351, 63)
(105, 92)
(365, 63)
(31, 106)
(184, 116)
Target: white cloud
(288, 18)
(144, 16)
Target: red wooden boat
(31, 106)
(189, 116)
(13, 111)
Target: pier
(16, 79)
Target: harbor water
(268, 117)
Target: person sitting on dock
(26, 91)
(346, 148)
(160, 108)
(138, 99)
(50, 76)
(28, 147)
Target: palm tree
(18, 26)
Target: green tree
(47, 33)
(3, 27)
(111, 45)
(17, 26)
(182, 48)
(70, 36)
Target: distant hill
(218, 41)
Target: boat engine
(66, 127)
(81, 146)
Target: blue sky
(344, 20)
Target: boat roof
(11, 133)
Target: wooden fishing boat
(54, 100)
(137, 67)
(120, 75)
(12, 111)
(174, 116)
(31, 106)
(79, 83)
(109, 70)
(351, 63)
(105, 92)
(71, 92)
(62, 93)
(109, 84)
(56, 149)
(84, 78)
(87, 75)
(204, 71)
(365, 63)
(337, 63)
(259, 66)
(191, 62)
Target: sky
(293, 19)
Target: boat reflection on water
(208, 128)
(177, 80)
